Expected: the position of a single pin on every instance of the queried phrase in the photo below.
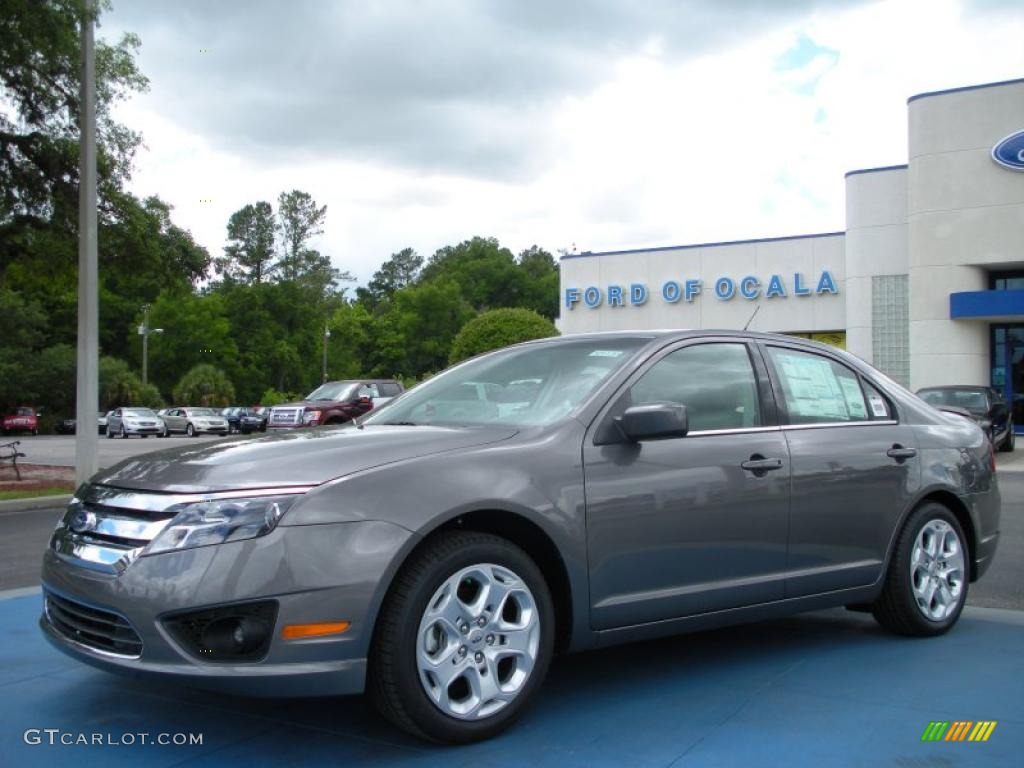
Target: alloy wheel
(937, 570)
(478, 641)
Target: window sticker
(878, 406)
(814, 391)
(854, 397)
(606, 353)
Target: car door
(175, 422)
(114, 420)
(688, 525)
(855, 469)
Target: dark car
(986, 405)
(66, 427)
(242, 419)
(633, 485)
(335, 403)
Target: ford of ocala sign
(1009, 152)
(723, 288)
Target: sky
(569, 124)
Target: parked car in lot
(22, 419)
(124, 422)
(646, 483)
(242, 419)
(985, 405)
(101, 420)
(335, 403)
(66, 427)
(195, 421)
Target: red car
(21, 419)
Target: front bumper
(136, 430)
(207, 430)
(315, 573)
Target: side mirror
(653, 421)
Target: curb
(36, 502)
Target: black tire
(393, 681)
(1008, 443)
(123, 434)
(109, 434)
(896, 608)
(190, 431)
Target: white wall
(876, 244)
(965, 215)
(808, 256)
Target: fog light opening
(234, 635)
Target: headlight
(311, 417)
(213, 522)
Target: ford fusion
(588, 490)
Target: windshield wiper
(398, 424)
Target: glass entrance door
(1008, 368)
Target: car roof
(958, 387)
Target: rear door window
(817, 390)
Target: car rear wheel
(464, 639)
(926, 584)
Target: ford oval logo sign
(1009, 152)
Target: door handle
(758, 464)
(900, 453)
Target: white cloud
(650, 147)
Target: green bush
(205, 385)
(149, 396)
(119, 384)
(272, 397)
(499, 328)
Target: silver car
(124, 422)
(195, 421)
(637, 485)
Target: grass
(31, 494)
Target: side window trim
(766, 397)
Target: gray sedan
(124, 422)
(195, 421)
(631, 485)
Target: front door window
(1008, 367)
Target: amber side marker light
(299, 631)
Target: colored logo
(958, 730)
(1009, 152)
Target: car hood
(300, 458)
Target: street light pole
(87, 385)
(144, 331)
(327, 335)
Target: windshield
(136, 412)
(974, 400)
(203, 412)
(531, 385)
(25, 412)
(334, 390)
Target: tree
(499, 328)
(540, 289)
(487, 274)
(205, 385)
(396, 273)
(299, 220)
(249, 255)
(119, 384)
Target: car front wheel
(926, 584)
(190, 431)
(464, 639)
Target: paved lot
(823, 689)
(816, 690)
(60, 450)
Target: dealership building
(926, 282)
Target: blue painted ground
(825, 689)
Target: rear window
(388, 389)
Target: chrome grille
(285, 417)
(99, 629)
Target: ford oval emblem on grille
(83, 521)
(1009, 152)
